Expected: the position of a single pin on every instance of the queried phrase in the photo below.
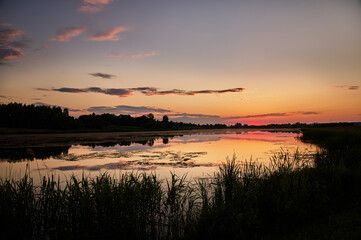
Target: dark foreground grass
(295, 197)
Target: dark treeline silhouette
(17, 115)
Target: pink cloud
(93, 6)
(11, 53)
(133, 56)
(97, 1)
(110, 35)
(347, 87)
(7, 35)
(40, 48)
(9, 47)
(5, 24)
(64, 34)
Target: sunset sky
(247, 61)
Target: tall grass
(243, 200)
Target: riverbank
(64, 139)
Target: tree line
(18, 115)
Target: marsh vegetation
(293, 197)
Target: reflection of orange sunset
(200, 155)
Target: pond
(197, 153)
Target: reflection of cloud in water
(134, 165)
(196, 140)
(144, 155)
(95, 155)
(254, 136)
(68, 168)
(258, 139)
(133, 147)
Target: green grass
(294, 197)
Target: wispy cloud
(5, 24)
(148, 91)
(6, 35)
(125, 109)
(40, 48)
(158, 112)
(348, 87)
(120, 92)
(151, 92)
(260, 115)
(282, 114)
(11, 53)
(109, 35)
(192, 115)
(306, 113)
(353, 87)
(64, 34)
(102, 75)
(195, 118)
(10, 44)
(133, 56)
(45, 104)
(93, 6)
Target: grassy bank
(295, 197)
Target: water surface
(195, 153)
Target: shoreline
(66, 139)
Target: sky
(232, 61)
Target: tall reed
(242, 200)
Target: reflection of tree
(125, 143)
(30, 153)
(146, 141)
(150, 142)
(19, 154)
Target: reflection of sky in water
(159, 143)
(197, 154)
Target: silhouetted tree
(150, 116)
(66, 112)
(165, 119)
